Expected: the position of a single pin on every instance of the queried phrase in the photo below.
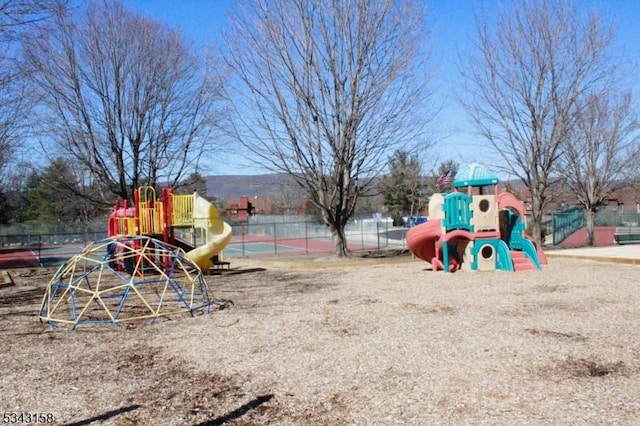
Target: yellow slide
(218, 233)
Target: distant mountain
(224, 187)
(234, 186)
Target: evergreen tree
(194, 182)
(450, 167)
(402, 188)
(60, 193)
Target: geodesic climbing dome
(118, 280)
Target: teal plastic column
(445, 256)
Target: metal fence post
(386, 233)
(242, 233)
(275, 239)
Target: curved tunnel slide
(204, 216)
(218, 233)
(422, 241)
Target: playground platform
(628, 253)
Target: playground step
(520, 261)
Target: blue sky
(452, 23)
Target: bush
(543, 230)
(397, 218)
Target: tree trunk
(590, 219)
(339, 241)
(536, 216)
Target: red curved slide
(422, 239)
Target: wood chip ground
(358, 342)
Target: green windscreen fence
(569, 221)
(566, 223)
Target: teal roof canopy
(474, 175)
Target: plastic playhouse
(189, 222)
(476, 228)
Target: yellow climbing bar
(149, 211)
(182, 210)
(126, 226)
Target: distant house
(242, 207)
(625, 199)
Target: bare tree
(601, 151)
(122, 95)
(327, 90)
(288, 198)
(523, 82)
(16, 19)
(17, 15)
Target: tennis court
(257, 248)
(31, 257)
(255, 245)
(240, 246)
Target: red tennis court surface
(247, 245)
(31, 257)
(18, 258)
(251, 245)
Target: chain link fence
(51, 233)
(54, 242)
(569, 221)
(268, 235)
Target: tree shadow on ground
(238, 412)
(104, 416)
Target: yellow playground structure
(189, 222)
(150, 266)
